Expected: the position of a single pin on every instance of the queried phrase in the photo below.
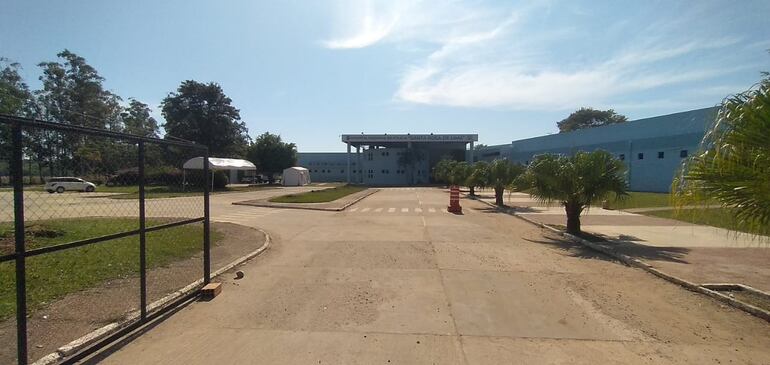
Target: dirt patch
(79, 313)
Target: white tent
(296, 176)
(216, 163)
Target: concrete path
(398, 281)
(697, 253)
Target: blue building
(387, 159)
(652, 148)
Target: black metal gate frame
(21, 254)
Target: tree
(479, 176)
(459, 173)
(733, 165)
(202, 113)
(576, 181)
(443, 169)
(271, 154)
(501, 174)
(138, 121)
(73, 93)
(589, 118)
(15, 99)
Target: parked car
(252, 180)
(62, 184)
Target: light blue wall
(378, 167)
(670, 134)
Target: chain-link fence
(95, 227)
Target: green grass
(319, 196)
(716, 217)
(154, 192)
(54, 275)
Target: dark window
(683, 153)
(640, 156)
(622, 157)
(661, 154)
(343, 171)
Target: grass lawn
(319, 196)
(51, 276)
(132, 192)
(717, 217)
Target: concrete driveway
(395, 279)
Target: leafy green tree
(73, 93)
(443, 169)
(501, 174)
(15, 99)
(271, 154)
(733, 165)
(137, 120)
(479, 176)
(202, 113)
(576, 181)
(459, 173)
(588, 118)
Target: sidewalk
(700, 254)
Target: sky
(313, 70)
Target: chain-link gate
(85, 208)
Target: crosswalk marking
(418, 210)
(404, 210)
(378, 210)
(353, 209)
(432, 210)
(364, 210)
(391, 210)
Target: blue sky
(312, 70)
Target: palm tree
(500, 174)
(733, 166)
(479, 176)
(576, 181)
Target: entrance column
(348, 169)
(470, 154)
(360, 177)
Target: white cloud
(491, 58)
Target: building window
(342, 171)
(661, 154)
(640, 156)
(622, 157)
(683, 153)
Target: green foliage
(137, 120)
(271, 154)
(733, 165)
(501, 174)
(442, 171)
(202, 113)
(588, 118)
(479, 176)
(575, 181)
(319, 196)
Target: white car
(62, 184)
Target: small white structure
(296, 176)
(216, 163)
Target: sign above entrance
(381, 138)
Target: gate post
(206, 221)
(142, 238)
(18, 219)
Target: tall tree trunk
(573, 217)
(499, 196)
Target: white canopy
(296, 176)
(216, 163)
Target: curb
(266, 205)
(633, 262)
(94, 336)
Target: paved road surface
(396, 281)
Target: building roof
(379, 139)
(689, 122)
(216, 163)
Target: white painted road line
(364, 210)
(378, 210)
(391, 210)
(353, 209)
(418, 210)
(404, 210)
(432, 210)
